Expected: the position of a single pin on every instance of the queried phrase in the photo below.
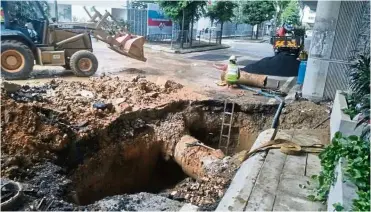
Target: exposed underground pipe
(255, 80)
(197, 161)
(276, 117)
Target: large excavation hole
(115, 163)
(139, 171)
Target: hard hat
(232, 57)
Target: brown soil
(304, 115)
(128, 147)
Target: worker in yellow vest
(232, 72)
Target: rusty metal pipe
(197, 161)
(255, 80)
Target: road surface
(193, 69)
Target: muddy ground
(107, 144)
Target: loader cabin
(27, 38)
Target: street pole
(181, 38)
(56, 10)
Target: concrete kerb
(342, 191)
(238, 193)
(185, 51)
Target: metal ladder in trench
(226, 137)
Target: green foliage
(174, 10)
(238, 16)
(256, 12)
(338, 207)
(280, 5)
(291, 13)
(352, 103)
(359, 100)
(221, 12)
(363, 201)
(356, 152)
(360, 76)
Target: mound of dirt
(304, 115)
(47, 117)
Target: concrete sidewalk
(275, 181)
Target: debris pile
(85, 145)
(207, 191)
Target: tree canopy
(174, 10)
(280, 5)
(256, 12)
(221, 12)
(291, 13)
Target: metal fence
(137, 24)
(135, 18)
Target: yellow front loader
(33, 40)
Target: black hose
(276, 117)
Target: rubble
(86, 145)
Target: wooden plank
(313, 165)
(267, 182)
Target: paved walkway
(275, 181)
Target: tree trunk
(257, 32)
(221, 32)
(190, 42)
(182, 37)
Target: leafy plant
(338, 207)
(352, 105)
(356, 152)
(359, 100)
(360, 76)
(364, 109)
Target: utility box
(53, 58)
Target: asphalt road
(246, 52)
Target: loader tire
(17, 60)
(83, 63)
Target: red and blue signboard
(158, 23)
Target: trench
(134, 153)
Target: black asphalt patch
(283, 64)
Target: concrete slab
(313, 165)
(189, 207)
(275, 181)
(263, 194)
(285, 202)
(295, 165)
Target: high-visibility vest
(232, 72)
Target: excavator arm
(115, 35)
(108, 31)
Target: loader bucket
(131, 46)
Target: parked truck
(291, 40)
